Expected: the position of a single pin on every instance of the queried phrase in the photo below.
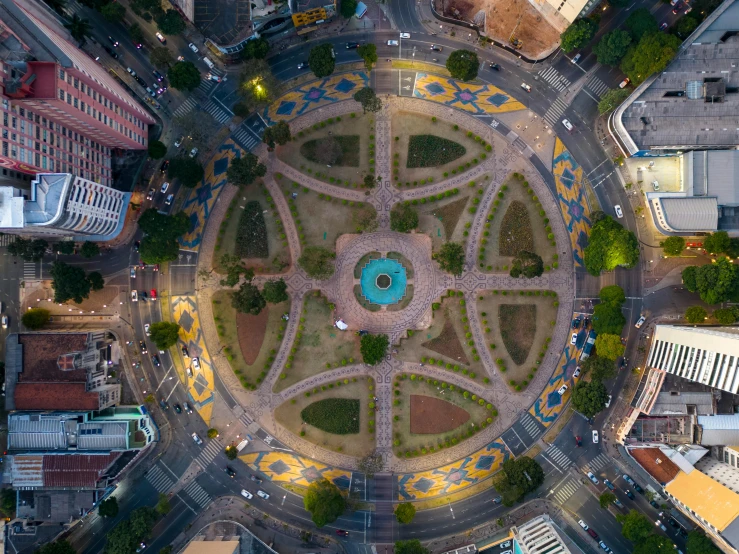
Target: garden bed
(518, 326)
(247, 337)
(432, 151)
(431, 416)
(357, 389)
(318, 346)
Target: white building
(539, 536)
(62, 205)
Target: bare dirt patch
(448, 344)
(433, 415)
(517, 328)
(251, 330)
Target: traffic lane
(586, 507)
(404, 14)
(169, 527)
(452, 518)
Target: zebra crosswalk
(246, 139)
(555, 111)
(597, 463)
(198, 494)
(29, 270)
(205, 85)
(245, 419)
(566, 490)
(158, 479)
(186, 107)
(218, 113)
(530, 424)
(554, 78)
(5, 240)
(212, 448)
(558, 458)
(596, 86)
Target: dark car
(436, 48)
(255, 479)
(638, 488)
(673, 523)
(165, 166)
(231, 472)
(677, 8)
(140, 81)
(138, 45)
(185, 352)
(158, 75)
(495, 66)
(629, 494)
(608, 484)
(163, 404)
(351, 45)
(178, 408)
(142, 346)
(654, 504)
(342, 533)
(113, 41)
(136, 246)
(593, 534)
(113, 53)
(155, 360)
(576, 323)
(683, 533)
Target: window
(75, 103)
(61, 74)
(69, 99)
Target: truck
(588, 348)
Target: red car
(342, 533)
(578, 440)
(153, 294)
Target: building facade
(539, 536)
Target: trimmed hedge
(431, 151)
(339, 416)
(251, 236)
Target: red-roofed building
(55, 396)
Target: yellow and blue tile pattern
(568, 176)
(200, 201)
(287, 467)
(550, 403)
(201, 386)
(315, 94)
(453, 477)
(473, 98)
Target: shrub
(251, 235)
(430, 151)
(339, 416)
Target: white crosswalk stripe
(158, 479)
(245, 419)
(598, 463)
(566, 490)
(210, 451)
(558, 457)
(5, 240)
(245, 138)
(198, 494)
(205, 85)
(29, 270)
(529, 423)
(555, 111)
(596, 86)
(185, 108)
(218, 113)
(554, 78)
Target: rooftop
(79, 471)
(676, 213)
(11, 208)
(41, 352)
(35, 432)
(709, 499)
(47, 198)
(667, 403)
(55, 396)
(656, 463)
(212, 547)
(719, 430)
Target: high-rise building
(61, 110)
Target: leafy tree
(403, 218)
(212, 433)
(255, 49)
(348, 8)
(136, 34)
(635, 526)
(113, 12)
(639, 23)
(163, 505)
(80, 29)
(231, 452)
(324, 502)
(612, 47)
(717, 243)
(56, 547)
(689, 275)
(69, 283)
(609, 346)
(64, 247)
(726, 316)
(463, 65)
(612, 99)
(368, 52)
(599, 368)
(608, 318)
(612, 294)
(244, 170)
(142, 520)
(171, 23)
(578, 34)
(733, 251)
(157, 149)
(31, 250)
(161, 233)
(108, 507)
(248, 299)
(89, 250)
(161, 57)
(96, 280)
(606, 499)
(651, 55)
(610, 246)
(369, 100)
(321, 60)
(371, 464)
(35, 318)
(164, 334)
(412, 546)
(699, 543)
(188, 170)
(369, 181)
(8, 502)
(278, 133)
(518, 477)
(673, 246)
(258, 85)
(451, 258)
(374, 348)
(685, 26)
(275, 291)
(184, 76)
(527, 264)
(695, 314)
(713, 282)
(234, 269)
(405, 512)
(589, 397)
(317, 262)
(154, 251)
(655, 544)
(241, 109)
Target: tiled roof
(75, 470)
(41, 352)
(55, 396)
(656, 463)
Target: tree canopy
(405, 512)
(321, 60)
(639, 23)
(128, 534)
(369, 100)
(403, 218)
(69, 283)
(96, 280)
(717, 243)
(348, 8)
(612, 294)
(714, 283)
(89, 250)
(275, 291)
(578, 34)
(608, 318)
(368, 52)
(599, 368)
(163, 505)
(171, 23)
(412, 546)
(527, 264)
(35, 318)
(324, 502)
(463, 65)
(695, 314)
(635, 526)
(56, 547)
(248, 299)
(651, 55)
(518, 477)
(673, 246)
(655, 544)
(726, 316)
(255, 49)
(164, 334)
(113, 12)
(157, 149)
(64, 247)
(371, 464)
(317, 262)
(79, 28)
(258, 86)
(278, 133)
(374, 348)
(612, 100)
(108, 507)
(244, 170)
(609, 346)
(606, 499)
(184, 76)
(699, 543)
(610, 246)
(161, 57)
(686, 25)
(161, 232)
(31, 250)
(188, 170)
(451, 258)
(612, 47)
(589, 397)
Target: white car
(593, 478)
(134, 296)
(619, 212)
(573, 339)
(567, 124)
(576, 58)
(189, 371)
(608, 402)
(641, 321)
(4, 320)
(168, 201)
(193, 152)
(655, 185)
(562, 389)
(212, 77)
(165, 186)
(246, 494)
(178, 142)
(595, 436)
(196, 363)
(661, 525)
(146, 329)
(197, 439)
(133, 272)
(263, 494)
(392, 43)
(583, 525)
(405, 35)
(577, 373)
(160, 38)
(525, 87)
(192, 47)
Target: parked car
(654, 504)
(623, 83)
(604, 547)
(178, 142)
(192, 47)
(593, 478)
(4, 321)
(168, 201)
(246, 494)
(136, 245)
(630, 494)
(187, 407)
(641, 321)
(255, 478)
(567, 124)
(638, 489)
(392, 43)
(661, 525)
(608, 402)
(608, 484)
(628, 479)
(677, 8)
(133, 272)
(185, 352)
(573, 339)
(593, 534)
(113, 41)
(134, 296)
(562, 389)
(576, 58)
(617, 502)
(196, 363)
(160, 38)
(576, 374)
(193, 152)
(178, 408)
(663, 26)
(153, 294)
(165, 167)
(189, 371)
(352, 45)
(155, 360)
(165, 186)
(595, 436)
(525, 87)
(619, 211)
(263, 494)
(150, 195)
(583, 524)
(405, 35)
(196, 438)
(146, 329)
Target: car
(505, 544)
(184, 351)
(178, 408)
(231, 472)
(578, 440)
(196, 363)
(654, 504)
(158, 75)
(165, 186)
(576, 323)
(673, 522)
(630, 494)
(133, 272)
(4, 321)
(151, 91)
(683, 533)
(562, 389)
(131, 71)
(138, 45)
(134, 296)
(303, 65)
(661, 525)
(583, 524)
(677, 8)
(593, 534)
(638, 489)
(246, 494)
(352, 45)
(189, 371)
(146, 329)
(663, 26)
(113, 41)
(619, 211)
(495, 66)
(608, 484)
(576, 374)
(593, 478)
(690, 9)
(567, 124)
(342, 533)
(436, 48)
(263, 494)
(150, 195)
(405, 35)
(136, 246)
(155, 361)
(595, 436)
(576, 58)
(498, 500)
(164, 167)
(178, 142)
(140, 547)
(623, 83)
(187, 407)
(193, 152)
(153, 294)
(113, 54)
(160, 38)
(213, 77)
(608, 402)
(392, 43)
(573, 338)
(196, 438)
(192, 47)
(507, 552)
(168, 201)
(617, 502)
(604, 547)
(525, 87)
(628, 479)
(163, 404)
(640, 322)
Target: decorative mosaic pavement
(200, 201)
(315, 94)
(550, 403)
(286, 467)
(453, 477)
(477, 99)
(568, 176)
(201, 385)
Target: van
(243, 444)
(209, 63)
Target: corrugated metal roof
(27, 471)
(722, 422)
(106, 435)
(690, 214)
